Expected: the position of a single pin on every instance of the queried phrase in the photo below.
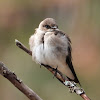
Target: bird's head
(48, 25)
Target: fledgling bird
(50, 46)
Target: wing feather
(69, 61)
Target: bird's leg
(55, 72)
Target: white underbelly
(45, 54)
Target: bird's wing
(69, 61)
(68, 57)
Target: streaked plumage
(52, 47)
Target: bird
(51, 46)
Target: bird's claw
(55, 71)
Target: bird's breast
(53, 50)
(44, 53)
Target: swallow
(51, 46)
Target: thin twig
(71, 85)
(11, 76)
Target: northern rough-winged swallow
(52, 47)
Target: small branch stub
(20, 45)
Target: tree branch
(71, 85)
(11, 76)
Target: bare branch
(4, 71)
(71, 85)
(20, 45)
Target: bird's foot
(55, 71)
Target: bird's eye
(47, 26)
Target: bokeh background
(80, 19)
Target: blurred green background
(80, 19)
